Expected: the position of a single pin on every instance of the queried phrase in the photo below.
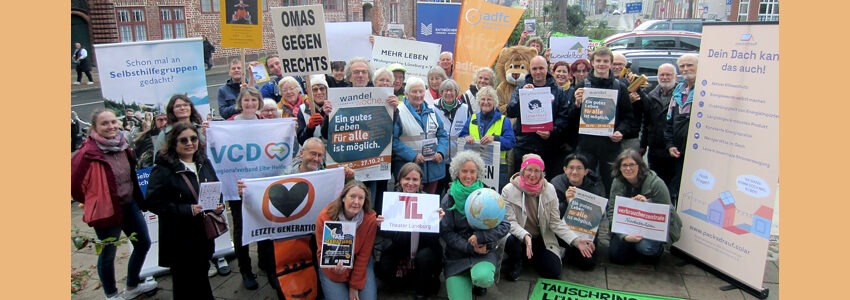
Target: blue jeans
(339, 290)
(133, 222)
(623, 252)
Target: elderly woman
(471, 255)
(483, 78)
(358, 282)
(532, 209)
(411, 258)
(633, 179)
(173, 195)
(419, 136)
(291, 97)
(436, 76)
(105, 154)
(561, 71)
(576, 175)
(454, 115)
(579, 70)
(248, 104)
(488, 126)
(270, 110)
(311, 119)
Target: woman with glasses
(180, 109)
(172, 193)
(536, 226)
(290, 97)
(270, 110)
(576, 175)
(633, 179)
(311, 120)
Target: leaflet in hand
(210, 195)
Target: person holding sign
(357, 282)
(471, 253)
(358, 72)
(490, 125)
(633, 179)
(173, 190)
(576, 176)
(454, 114)
(536, 226)
(419, 136)
(310, 121)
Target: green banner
(550, 289)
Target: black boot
(479, 291)
(514, 268)
(249, 282)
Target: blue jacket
(506, 138)
(402, 153)
(227, 95)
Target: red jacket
(364, 240)
(81, 162)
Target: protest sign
(411, 212)
(530, 26)
(287, 206)
(568, 49)
(347, 40)
(338, 240)
(360, 131)
(598, 112)
(395, 30)
(260, 73)
(535, 108)
(301, 41)
(643, 218)
(584, 213)
(241, 24)
(490, 153)
(416, 57)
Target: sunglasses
(186, 140)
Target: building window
(769, 10)
(331, 4)
(294, 2)
(743, 10)
(173, 22)
(131, 24)
(394, 11)
(210, 6)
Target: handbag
(99, 210)
(214, 224)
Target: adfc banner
(482, 31)
(360, 132)
(437, 23)
(241, 24)
(249, 149)
(286, 206)
(731, 172)
(147, 74)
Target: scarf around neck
(460, 192)
(530, 188)
(358, 218)
(115, 144)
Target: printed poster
(598, 112)
(395, 30)
(644, 218)
(416, 57)
(287, 206)
(241, 24)
(530, 26)
(300, 39)
(436, 22)
(347, 40)
(490, 153)
(584, 213)
(569, 48)
(209, 195)
(360, 132)
(249, 149)
(337, 244)
(535, 108)
(147, 74)
(411, 212)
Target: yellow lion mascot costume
(512, 65)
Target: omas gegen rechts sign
(300, 38)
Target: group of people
(430, 115)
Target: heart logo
(287, 200)
(279, 151)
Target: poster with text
(436, 22)
(411, 212)
(300, 39)
(568, 48)
(530, 26)
(641, 218)
(585, 213)
(416, 57)
(360, 131)
(490, 153)
(598, 112)
(287, 206)
(395, 30)
(535, 109)
(241, 23)
(337, 244)
(144, 75)
(347, 40)
(731, 170)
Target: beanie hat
(318, 79)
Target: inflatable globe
(484, 208)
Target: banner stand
(761, 294)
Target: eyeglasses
(534, 171)
(269, 110)
(181, 106)
(360, 72)
(575, 169)
(186, 140)
(629, 166)
(319, 88)
(289, 89)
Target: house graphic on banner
(721, 213)
(577, 47)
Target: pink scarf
(533, 189)
(115, 144)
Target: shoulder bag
(214, 224)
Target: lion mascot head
(512, 66)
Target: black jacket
(676, 131)
(561, 107)
(654, 120)
(625, 121)
(591, 184)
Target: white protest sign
(347, 40)
(536, 109)
(416, 57)
(490, 153)
(300, 38)
(411, 212)
(568, 48)
(598, 112)
(644, 218)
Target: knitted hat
(396, 67)
(318, 79)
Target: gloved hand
(315, 120)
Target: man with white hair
(679, 118)
(446, 62)
(655, 121)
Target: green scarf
(446, 106)
(460, 192)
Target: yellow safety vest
(494, 130)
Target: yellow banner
(241, 24)
(482, 31)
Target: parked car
(681, 40)
(646, 62)
(693, 25)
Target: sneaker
(249, 282)
(479, 291)
(76, 83)
(89, 83)
(223, 267)
(212, 271)
(118, 296)
(142, 288)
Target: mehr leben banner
(249, 149)
(568, 49)
(241, 24)
(360, 132)
(490, 153)
(535, 109)
(642, 218)
(584, 213)
(147, 74)
(286, 206)
(411, 212)
(730, 177)
(483, 28)
(598, 112)
(416, 57)
(300, 39)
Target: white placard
(416, 57)
(643, 218)
(568, 48)
(411, 212)
(536, 109)
(347, 40)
